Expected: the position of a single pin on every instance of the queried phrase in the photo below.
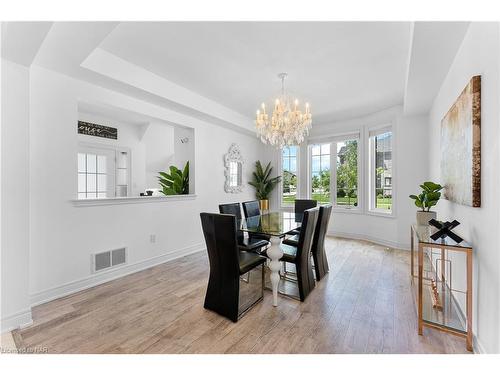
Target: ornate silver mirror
(233, 163)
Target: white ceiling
(221, 71)
(21, 40)
(433, 49)
(341, 68)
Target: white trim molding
(371, 132)
(131, 200)
(20, 319)
(477, 347)
(365, 237)
(105, 276)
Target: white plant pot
(423, 217)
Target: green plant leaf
(261, 180)
(165, 175)
(166, 183)
(177, 182)
(174, 171)
(433, 196)
(267, 171)
(431, 186)
(185, 173)
(424, 188)
(169, 191)
(429, 196)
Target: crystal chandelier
(288, 125)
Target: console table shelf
(431, 264)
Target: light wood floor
(364, 305)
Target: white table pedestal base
(275, 253)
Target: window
(96, 173)
(320, 172)
(346, 173)
(289, 166)
(381, 170)
(92, 177)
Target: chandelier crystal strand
(288, 125)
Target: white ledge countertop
(130, 200)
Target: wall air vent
(109, 259)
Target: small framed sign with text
(97, 130)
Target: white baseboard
(96, 279)
(17, 320)
(477, 346)
(365, 237)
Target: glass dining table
(276, 225)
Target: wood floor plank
(363, 305)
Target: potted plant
(429, 197)
(175, 183)
(263, 184)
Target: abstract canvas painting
(461, 147)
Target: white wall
(64, 236)
(158, 142)
(15, 304)
(409, 170)
(184, 151)
(478, 55)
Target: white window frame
(86, 147)
(333, 178)
(282, 205)
(333, 140)
(371, 198)
(318, 142)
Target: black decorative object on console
(444, 230)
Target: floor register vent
(108, 259)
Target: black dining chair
(227, 265)
(252, 208)
(304, 204)
(249, 243)
(300, 206)
(300, 255)
(318, 247)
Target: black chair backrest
(232, 209)
(304, 204)
(223, 255)
(251, 208)
(318, 245)
(304, 248)
(307, 228)
(325, 211)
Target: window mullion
(333, 173)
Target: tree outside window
(347, 173)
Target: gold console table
(431, 273)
